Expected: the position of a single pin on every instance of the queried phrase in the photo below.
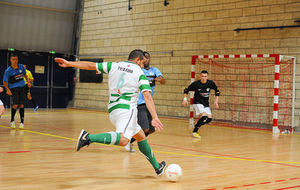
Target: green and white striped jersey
(125, 80)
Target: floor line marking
(171, 153)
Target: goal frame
(277, 58)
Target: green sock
(106, 138)
(146, 150)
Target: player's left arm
(217, 94)
(159, 77)
(151, 107)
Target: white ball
(174, 172)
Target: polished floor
(43, 156)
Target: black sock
(132, 140)
(200, 122)
(196, 128)
(13, 113)
(21, 110)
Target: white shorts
(199, 108)
(1, 103)
(125, 122)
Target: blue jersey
(14, 77)
(151, 74)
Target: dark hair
(137, 53)
(146, 53)
(204, 72)
(13, 55)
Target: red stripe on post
(260, 55)
(237, 56)
(192, 74)
(275, 107)
(226, 56)
(216, 56)
(276, 91)
(248, 55)
(277, 60)
(276, 76)
(191, 100)
(205, 56)
(275, 122)
(194, 59)
(191, 114)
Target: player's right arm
(8, 92)
(191, 87)
(85, 65)
(5, 83)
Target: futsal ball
(174, 172)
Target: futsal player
(144, 117)
(125, 80)
(28, 89)
(202, 90)
(14, 84)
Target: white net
(247, 89)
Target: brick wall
(186, 27)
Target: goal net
(256, 90)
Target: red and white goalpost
(257, 90)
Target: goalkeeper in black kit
(202, 89)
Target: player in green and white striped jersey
(125, 81)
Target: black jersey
(202, 91)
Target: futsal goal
(257, 90)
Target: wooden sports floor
(42, 156)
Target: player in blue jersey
(144, 117)
(14, 83)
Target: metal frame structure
(277, 58)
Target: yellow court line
(172, 153)
(182, 119)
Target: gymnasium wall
(175, 32)
(33, 25)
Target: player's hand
(216, 105)
(8, 92)
(62, 62)
(157, 124)
(29, 85)
(1, 89)
(184, 103)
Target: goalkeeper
(202, 89)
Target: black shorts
(18, 95)
(144, 117)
